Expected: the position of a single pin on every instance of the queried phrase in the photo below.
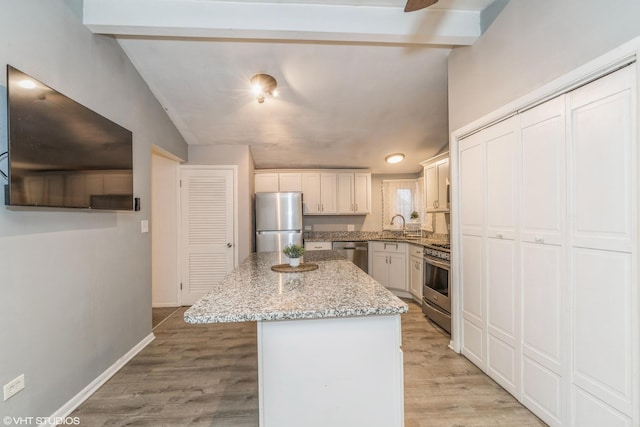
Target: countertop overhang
(253, 292)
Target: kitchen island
(328, 341)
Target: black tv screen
(62, 154)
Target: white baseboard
(86, 392)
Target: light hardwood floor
(206, 375)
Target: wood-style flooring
(206, 375)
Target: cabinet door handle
(500, 235)
(539, 239)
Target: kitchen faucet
(404, 224)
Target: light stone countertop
(253, 292)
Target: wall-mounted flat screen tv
(62, 154)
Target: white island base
(338, 372)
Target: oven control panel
(436, 254)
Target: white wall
(239, 155)
(75, 287)
(529, 44)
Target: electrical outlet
(307, 228)
(144, 226)
(351, 227)
(13, 386)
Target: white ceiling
(357, 79)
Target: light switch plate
(144, 226)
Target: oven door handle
(437, 263)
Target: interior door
(207, 232)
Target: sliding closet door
(502, 276)
(472, 200)
(603, 213)
(543, 248)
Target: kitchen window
(402, 196)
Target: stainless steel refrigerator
(278, 221)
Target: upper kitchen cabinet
(266, 183)
(319, 193)
(273, 182)
(325, 191)
(354, 193)
(290, 181)
(436, 179)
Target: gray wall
(75, 287)
(239, 155)
(529, 44)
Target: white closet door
(545, 374)
(602, 184)
(208, 246)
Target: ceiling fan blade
(413, 5)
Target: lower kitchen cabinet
(388, 261)
(415, 272)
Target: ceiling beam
(281, 21)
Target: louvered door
(208, 245)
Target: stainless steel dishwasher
(356, 252)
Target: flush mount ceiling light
(394, 158)
(263, 85)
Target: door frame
(161, 152)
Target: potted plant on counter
(294, 252)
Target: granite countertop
(254, 292)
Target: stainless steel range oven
(436, 303)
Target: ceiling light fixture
(263, 85)
(394, 158)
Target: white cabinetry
(547, 260)
(388, 261)
(290, 181)
(324, 191)
(436, 180)
(319, 193)
(267, 183)
(318, 246)
(354, 193)
(415, 272)
(274, 182)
